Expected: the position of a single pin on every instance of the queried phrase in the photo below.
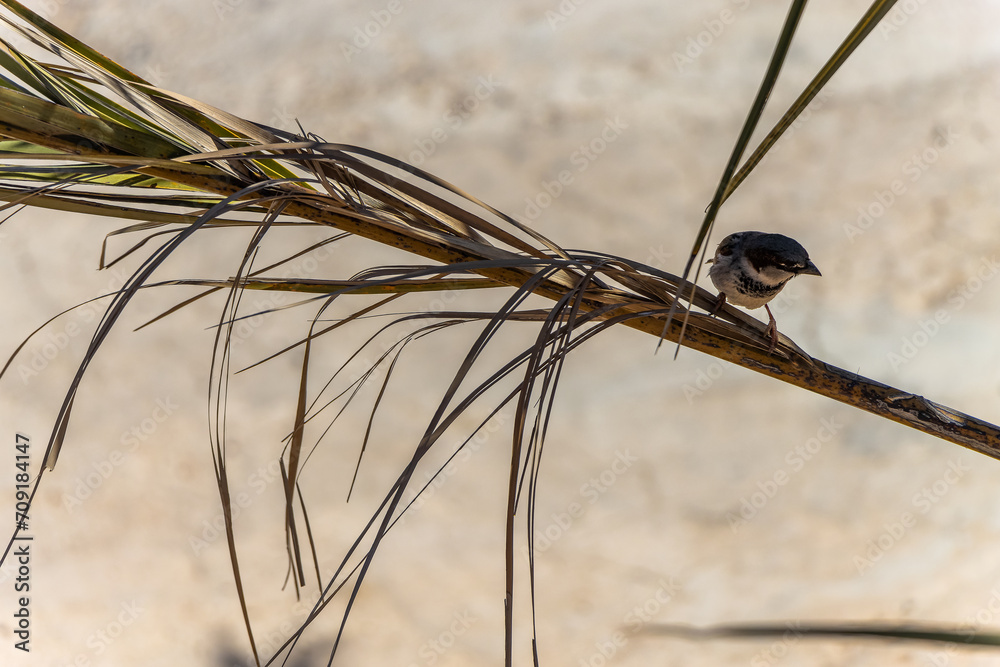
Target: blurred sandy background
(648, 459)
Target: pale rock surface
(647, 458)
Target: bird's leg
(772, 328)
(719, 304)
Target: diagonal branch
(749, 351)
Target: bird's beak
(810, 270)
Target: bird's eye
(726, 250)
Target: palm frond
(86, 135)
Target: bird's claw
(719, 303)
(772, 330)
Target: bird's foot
(772, 330)
(720, 302)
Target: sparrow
(750, 268)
